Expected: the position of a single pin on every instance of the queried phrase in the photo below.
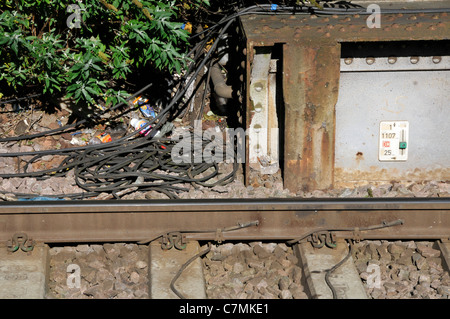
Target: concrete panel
(345, 279)
(164, 265)
(23, 275)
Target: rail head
(217, 205)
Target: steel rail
(224, 219)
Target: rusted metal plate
(268, 30)
(311, 82)
(106, 221)
(311, 76)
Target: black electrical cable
(328, 272)
(204, 252)
(28, 97)
(114, 169)
(185, 265)
(208, 76)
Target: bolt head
(414, 59)
(392, 60)
(436, 59)
(370, 61)
(348, 61)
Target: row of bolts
(392, 60)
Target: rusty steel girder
(310, 79)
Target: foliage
(45, 47)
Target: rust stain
(310, 113)
(345, 177)
(306, 168)
(327, 155)
(359, 158)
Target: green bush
(45, 48)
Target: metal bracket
(176, 239)
(357, 236)
(20, 240)
(219, 236)
(319, 239)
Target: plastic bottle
(100, 139)
(137, 124)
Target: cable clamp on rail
(219, 231)
(356, 231)
(319, 239)
(174, 239)
(20, 240)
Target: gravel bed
(109, 271)
(406, 270)
(253, 271)
(265, 186)
(120, 271)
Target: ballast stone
(23, 275)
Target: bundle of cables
(145, 162)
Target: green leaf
(96, 67)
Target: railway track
(232, 219)
(313, 230)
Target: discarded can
(137, 124)
(100, 139)
(146, 109)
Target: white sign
(393, 141)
